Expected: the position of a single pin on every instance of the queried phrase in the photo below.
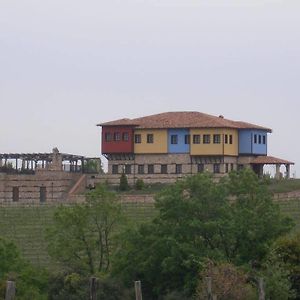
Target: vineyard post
(10, 290)
(138, 290)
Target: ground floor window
(178, 169)
(127, 169)
(140, 169)
(115, 169)
(226, 168)
(216, 168)
(200, 168)
(150, 169)
(164, 169)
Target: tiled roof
(270, 160)
(185, 119)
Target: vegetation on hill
(231, 230)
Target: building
(167, 146)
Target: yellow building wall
(232, 149)
(215, 149)
(160, 144)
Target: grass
(284, 185)
(26, 224)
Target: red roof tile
(185, 119)
(270, 160)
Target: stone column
(288, 171)
(277, 175)
(1, 163)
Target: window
(216, 168)
(107, 136)
(240, 167)
(125, 137)
(117, 136)
(137, 138)
(255, 139)
(115, 169)
(164, 169)
(259, 139)
(196, 138)
(140, 169)
(264, 139)
(187, 139)
(150, 169)
(174, 139)
(217, 139)
(127, 169)
(206, 139)
(226, 168)
(200, 168)
(231, 167)
(150, 138)
(230, 139)
(15, 194)
(226, 139)
(43, 194)
(178, 169)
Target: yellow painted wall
(215, 149)
(232, 149)
(160, 144)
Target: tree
(123, 183)
(234, 220)
(228, 282)
(31, 282)
(81, 236)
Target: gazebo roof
(270, 160)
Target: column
(288, 171)
(277, 175)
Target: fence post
(209, 288)
(261, 289)
(138, 290)
(10, 290)
(93, 288)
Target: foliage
(31, 282)
(75, 286)
(286, 252)
(123, 183)
(234, 220)
(284, 185)
(81, 235)
(139, 184)
(228, 282)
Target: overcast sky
(66, 65)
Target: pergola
(259, 162)
(29, 161)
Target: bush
(139, 184)
(123, 183)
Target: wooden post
(10, 290)
(138, 290)
(261, 289)
(209, 288)
(93, 288)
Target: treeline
(230, 231)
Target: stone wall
(56, 185)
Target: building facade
(168, 146)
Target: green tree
(81, 236)
(31, 282)
(123, 183)
(234, 220)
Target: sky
(66, 66)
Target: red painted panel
(117, 144)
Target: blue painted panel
(245, 142)
(180, 147)
(248, 144)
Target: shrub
(139, 184)
(123, 183)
